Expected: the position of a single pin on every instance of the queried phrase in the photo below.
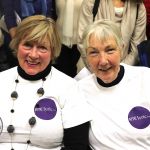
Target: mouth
(32, 63)
(104, 69)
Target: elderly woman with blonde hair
(40, 106)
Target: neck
(38, 76)
(116, 81)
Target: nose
(34, 53)
(103, 60)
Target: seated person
(41, 108)
(117, 93)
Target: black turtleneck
(38, 76)
(116, 81)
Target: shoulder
(60, 77)
(8, 71)
(137, 72)
(87, 82)
(8, 74)
(82, 74)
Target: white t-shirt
(83, 73)
(121, 113)
(60, 107)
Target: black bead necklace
(32, 120)
(11, 128)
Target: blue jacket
(12, 6)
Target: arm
(139, 34)
(76, 138)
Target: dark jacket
(12, 6)
(144, 53)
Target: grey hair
(103, 30)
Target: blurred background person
(67, 22)
(130, 17)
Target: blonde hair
(37, 28)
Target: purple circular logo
(139, 117)
(45, 109)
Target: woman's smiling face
(34, 57)
(103, 57)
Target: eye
(93, 52)
(27, 45)
(110, 50)
(42, 48)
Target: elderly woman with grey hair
(121, 119)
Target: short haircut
(103, 30)
(36, 29)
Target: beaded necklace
(14, 96)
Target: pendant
(14, 95)
(40, 91)
(32, 121)
(10, 129)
